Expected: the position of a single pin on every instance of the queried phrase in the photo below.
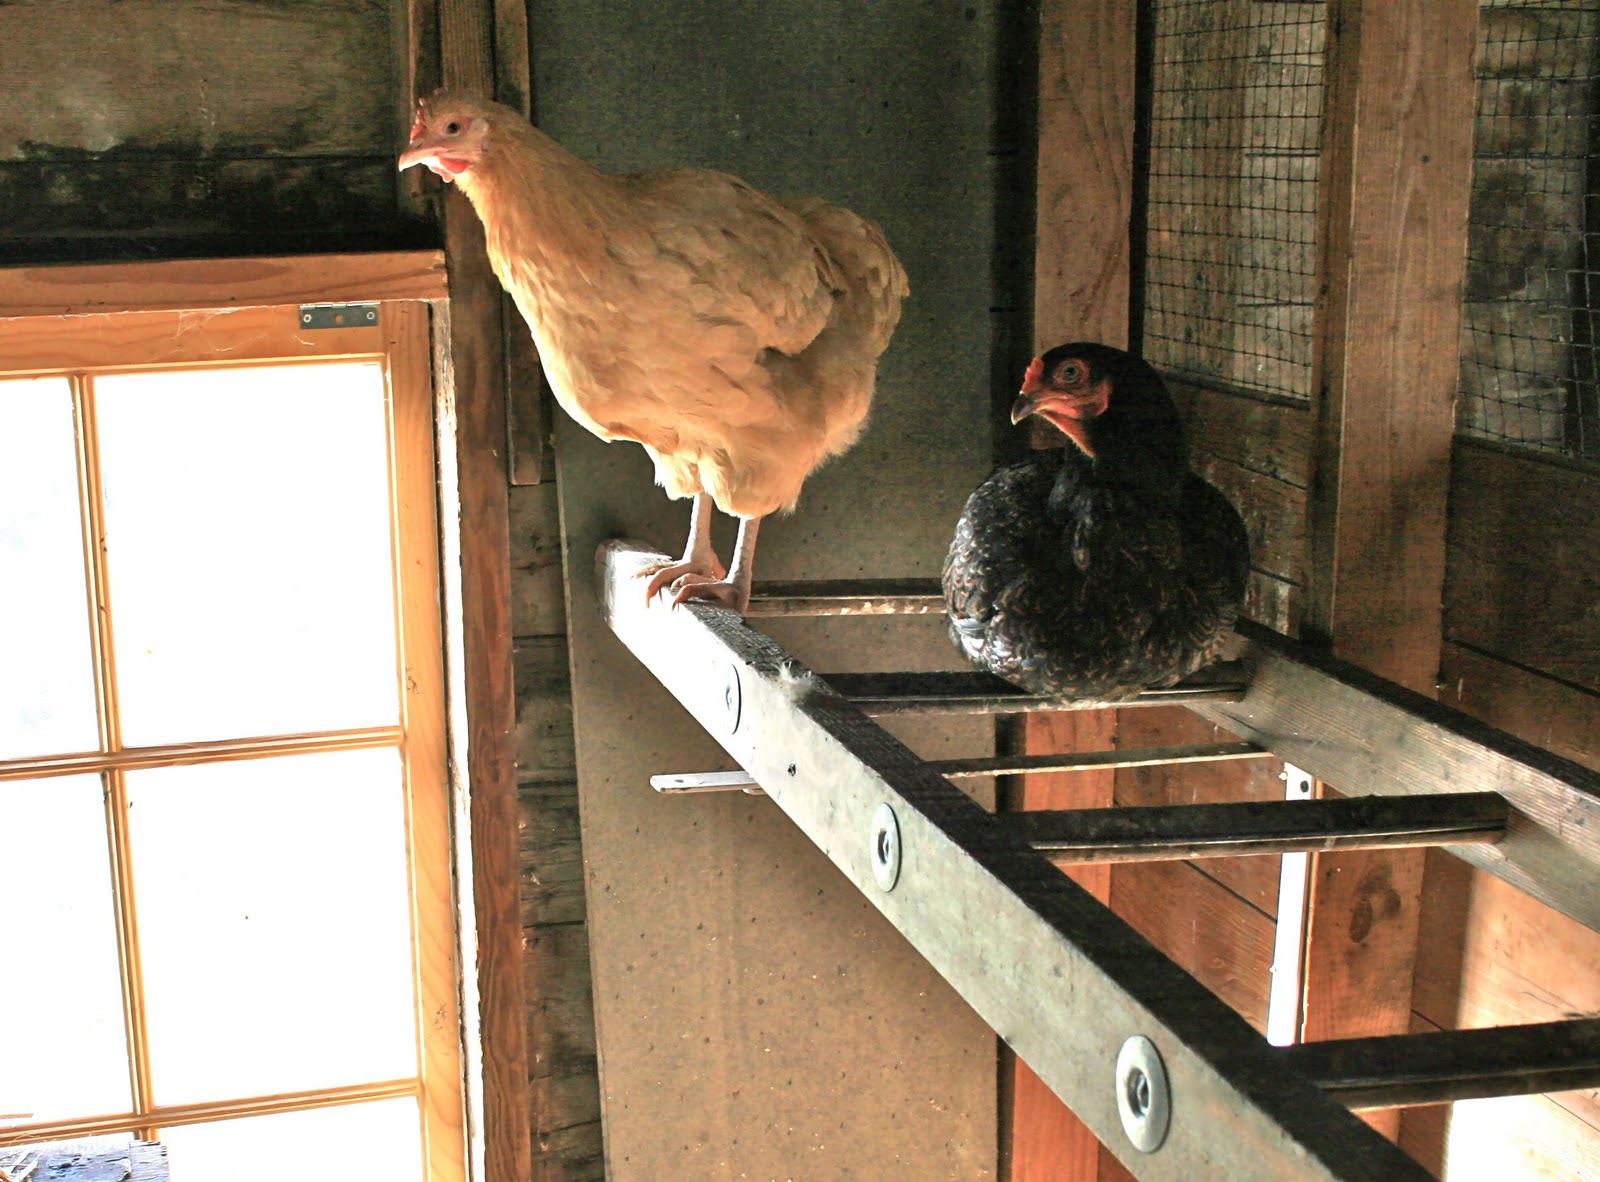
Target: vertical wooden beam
(476, 371)
(1084, 204)
(1396, 173)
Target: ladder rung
(847, 597)
(687, 783)
(1018, 765)
(1448, 1065)
(968, 692)
(1159, 832)
(683, 783)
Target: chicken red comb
(1035, 374)
(421, 125)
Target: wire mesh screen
(1529, 367)
(1235, 137)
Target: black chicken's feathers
(1097, 578)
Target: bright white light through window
(247, 537)
(62, 1044)
(46, 678)
(354, 1143)
(273, 922)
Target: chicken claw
(720, 591)
(662, 574)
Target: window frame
(173, 318)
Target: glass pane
(247, 518)
(358, 1141)
(47, 687)
(63, 1048)
(274, 924)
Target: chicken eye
(452, 128)
(1072, 373)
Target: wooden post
(475, 369)
(1395, 176)
(1085, 201)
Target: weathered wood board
(756, 1018)
(138, 128)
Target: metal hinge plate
(338, 316)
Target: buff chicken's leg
(699, 559)
(734, 589)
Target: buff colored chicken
(734, 334)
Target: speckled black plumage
(1096, 578)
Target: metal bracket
(315, 316)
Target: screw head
(1143, 1101)
(884, 850)
(732, 697)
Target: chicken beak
(446, 166)
(418, 153)
(1025, 405)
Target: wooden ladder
(1165, 1074)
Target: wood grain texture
(1524, 563)
(1225, 946)
(206, 284)
(1253, 879)
(1272, 438)
(1552, 714)
(479, 405)
(1085, 172)
(1395, 178)
(563, 1070)
(1395, 174)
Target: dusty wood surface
(1524, 563)
(212, 284)
(201, 126)
(1541, 710)
(968, 899)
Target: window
(223, 783)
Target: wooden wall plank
(1395, 173)
(1253, 879)
(1559, 717)
(1085, 172)
(223, 77)
(477, 372)
(1225, 946)
(220, 283)
(197, 127)
(1524, 562)
(1272, 438)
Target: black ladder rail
(1151, 833)
(1064, 981)
(1404, 1069)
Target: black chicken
(1104, 567)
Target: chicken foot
(699, 574)
(732, 590)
